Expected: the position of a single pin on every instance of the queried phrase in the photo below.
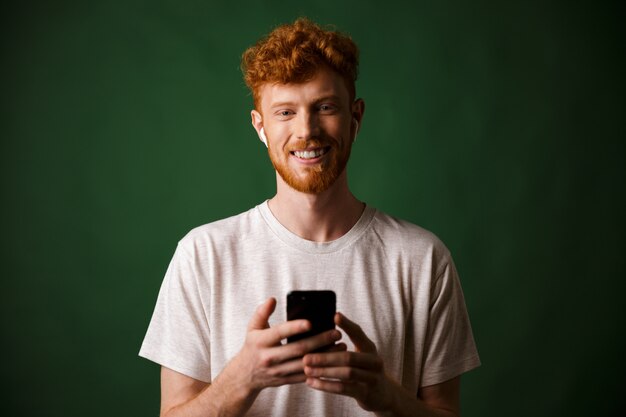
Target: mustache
(304, 145)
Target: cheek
(277, 148)
(277, 135)
(339, 129)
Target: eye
(327, 108)
(284, 114)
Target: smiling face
(310, 129)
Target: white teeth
(309, 154)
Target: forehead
(325, 83)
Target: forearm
(406, 404)
(224, 397)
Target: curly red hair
(292, 53)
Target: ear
(257, 123)
(358, 109)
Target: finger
(304, 346)
(273, 335)
(339, 347)
(351, 389)
(287, 380)
(282, 355)
(361, 360)
(343, 373)
(260, 318)
(362, 343)
(291, 367)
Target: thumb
(259, 320)
(362, 343)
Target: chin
(313, 183)
(317, 180)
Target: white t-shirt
(395, 279)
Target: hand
(358, 374)
(264, 361)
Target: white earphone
(356, 129)
(263, 137)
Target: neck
(318, 217)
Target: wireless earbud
(263, 137)
(356, 129)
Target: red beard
(318, 177)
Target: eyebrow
(332, 97)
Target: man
(399, 300)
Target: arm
(361, 375)
(262, 362)
(185, 396)
(440, 400)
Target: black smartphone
(318, 307)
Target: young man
(399, 299)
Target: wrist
(386, 398)
(234, 388)
(393, 399)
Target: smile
(311, 154)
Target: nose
(307, 126)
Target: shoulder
(407, 236)
(223, 231)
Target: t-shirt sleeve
(178, 334)
(449, 347)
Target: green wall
(498, 125)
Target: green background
(497, 125)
